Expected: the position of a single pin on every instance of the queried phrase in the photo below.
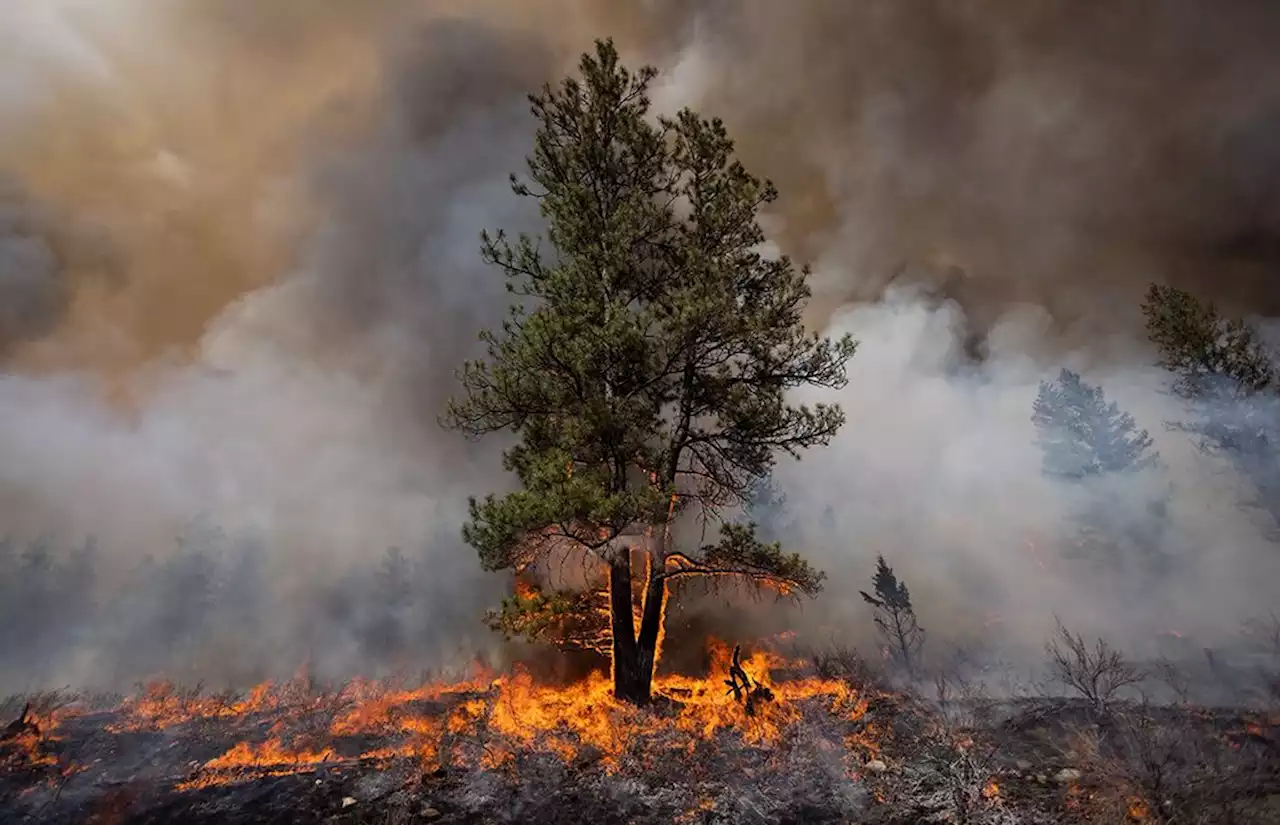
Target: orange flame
(514, 714)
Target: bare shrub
(1173, 677)
(956, 692)
(1173, 766)
(847, 664)
(41, 704)
(954, 783)
(1098, 672)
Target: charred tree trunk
(629, 683)
(655, 597)
(635, 655)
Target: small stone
(1022, 765)
(1041, 778)
(348, 801)
(1066, 775)
(430, 813)
(876, 766)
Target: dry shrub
(1098, 672)
(1172, 766)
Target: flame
(162, 705)
(487, 722)
(27, 749)
(1138, 810)
(991, 790)
(270, 758)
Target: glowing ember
(991, 790)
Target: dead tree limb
(20, 726)
(741, 686)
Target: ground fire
(760, 729)
(432, 723)
(755, 701)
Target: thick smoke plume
(238, 268)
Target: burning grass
(764, 738)
(485, 722)
(763, 714)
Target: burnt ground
(893, 760)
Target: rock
(1022, 765)
(1066, 775)
(348, 801)
(876, 766)
(429, 813)
(1041, 778)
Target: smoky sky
(1061, 154)
(239, 266)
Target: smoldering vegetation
(286, 199)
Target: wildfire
(162, 705)
(486, 722)
(24, 742)
(991, 790)
(270, 758)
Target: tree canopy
(1226, 373)
(646, 366)
(1083, 435)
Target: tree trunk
(655, 597)
(634, 657)
(628, 683)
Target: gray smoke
(291, 194)
(42, 253)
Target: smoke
(238, 269)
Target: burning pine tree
(645, 370)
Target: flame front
(490, 722)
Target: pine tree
(895, 617)
(1211, 357)
(1089, 442)
(1222, 368)
(645, 368)
(1083, 435)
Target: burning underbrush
(760, 737)
(752, 714)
